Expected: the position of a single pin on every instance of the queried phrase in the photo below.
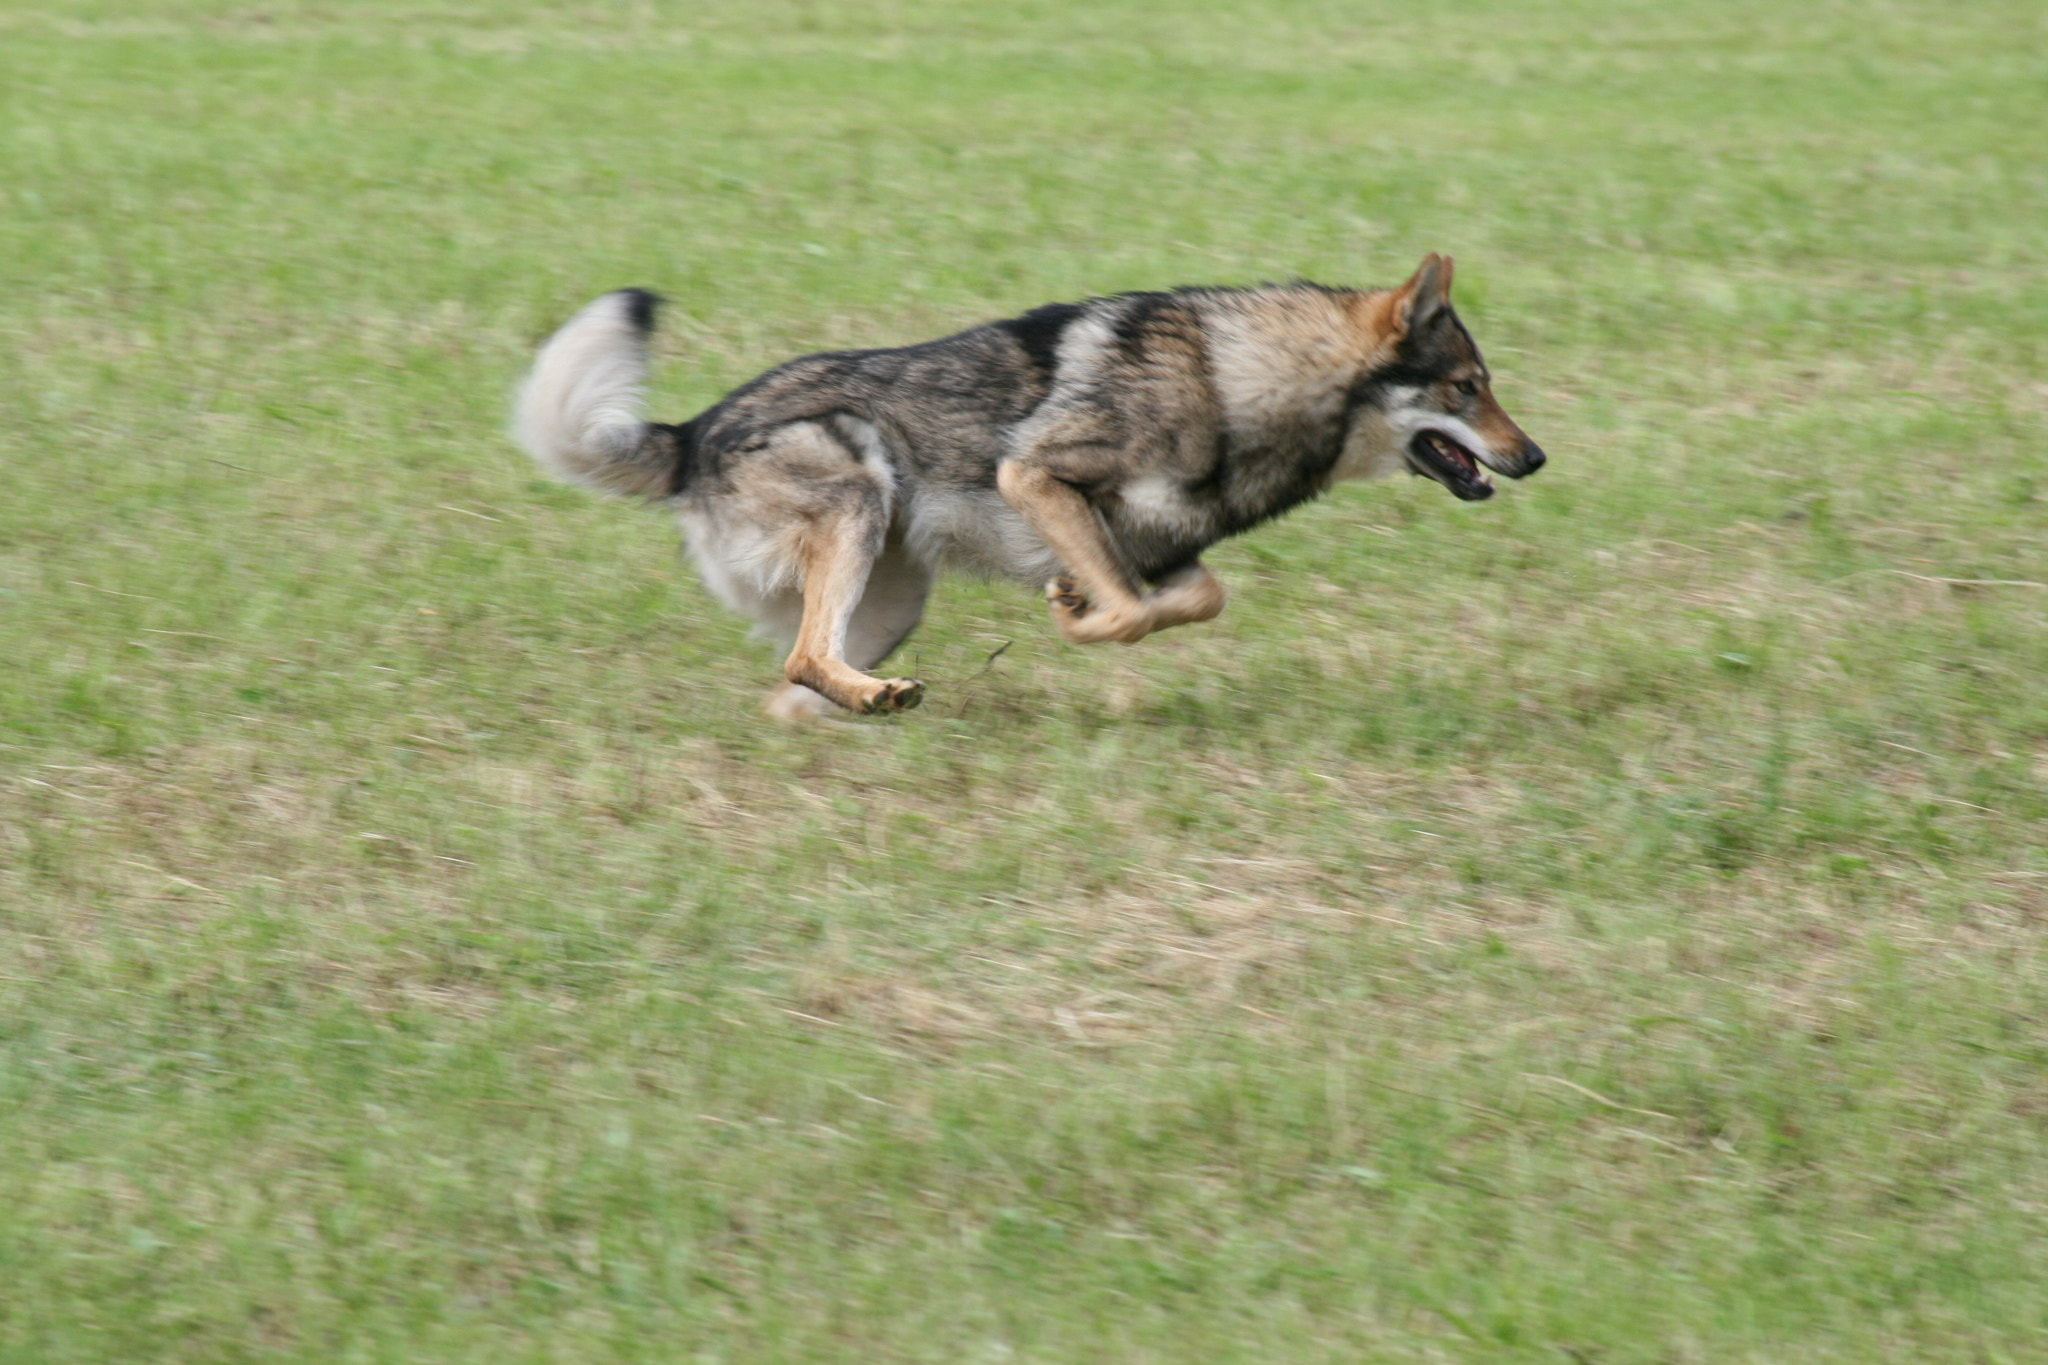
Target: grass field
(1604, 924)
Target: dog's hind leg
(795, 534)
(839, 554)
(891, 605)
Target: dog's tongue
(1455, 453)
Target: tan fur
(835, 576)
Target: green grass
(1605, 924)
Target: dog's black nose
(1532, 458)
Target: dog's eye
(1466, 387)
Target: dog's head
(1429, 403)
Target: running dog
(1096, 448)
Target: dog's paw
(897, 694)
(1065, 597)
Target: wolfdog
(1095, 448)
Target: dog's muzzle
(1440, 456)
(1435, 455)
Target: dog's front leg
(1186, 596)
(1098, 600)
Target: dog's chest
(1159, 505)
(1160, 522)
(1156, 502)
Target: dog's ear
(1427, 293)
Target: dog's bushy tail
(580, 412)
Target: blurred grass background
(1601, 924)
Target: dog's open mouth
(1437, 456)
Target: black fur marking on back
(1038, 333)
(681, 438)
(1135, 321)
(640, 306)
